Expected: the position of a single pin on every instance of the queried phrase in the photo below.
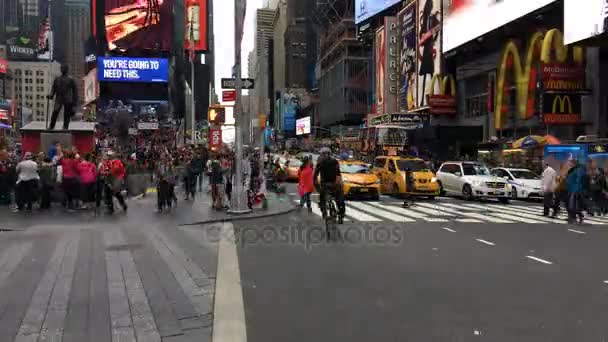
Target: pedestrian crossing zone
(459, 212)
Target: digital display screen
(138, 24)
(127, 69)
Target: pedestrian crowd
(578, 188)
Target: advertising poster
(138, 24)
(429, 46)
(289, 116)
(584, 19)
(380, 70)
(303, 126)
(196, 25)
(3, 66)
(21, 48)
(465, 20)
(365, 9)
(408, 58)
(126, 69)
(562, 108)
(91, 87)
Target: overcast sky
(223, 26)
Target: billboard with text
(465, 20)
(365, 9)
(126, 69)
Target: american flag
(45, 28)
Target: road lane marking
(449, 230)
(486, 242)
(539, 260)
(431, 211)
(470, 215)
(606, 281)
(576, 231)
(468, 220)
(408, 213)
(385, 214)
(229, 310)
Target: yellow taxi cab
(405, 176)
(358, 180)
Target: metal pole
(50, 47)
(238, 200)
(192, 58)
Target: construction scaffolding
(344, 65)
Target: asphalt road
(425, 281)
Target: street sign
(230, 83)
(228, 95)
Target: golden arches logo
(443, 83)
(548, 42)
(562, 101)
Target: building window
(18, 72)
(40, 89)
(476, 97)
(39, 73)
(28, 72)
(39, 81)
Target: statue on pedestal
(65, 93)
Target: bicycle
(331, 217)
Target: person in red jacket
(70, 183)
(114, 173)
(306, 184)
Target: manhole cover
(125, 247)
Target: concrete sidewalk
(137, 277)
(204, 214)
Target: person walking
(549, 178)
(217, 185)
(69, 167)
(48, 179)
(114, 172)
(87, 172)
(576, 192)
(27, 181)
(306, 184)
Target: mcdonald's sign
(561, 108)
(548, 51)
(442, 103)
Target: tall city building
(344, 66)
(264, 19)
(32, 83)
(78, 23)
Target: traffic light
(217, 115)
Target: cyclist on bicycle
(328, 169)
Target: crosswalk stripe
(456, 206)
(431, 211)
(594, 220)
(317, 211)
(408, 213)
(515, 213)
(385, 214)
(471, 215)
(359, 216)
(468, 220)
(514, 217)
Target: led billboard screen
(138, 24)
(465, 20)
(584, 19)
(126, 69)
(303, 126)
(365, 9)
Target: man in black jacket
(65, 93)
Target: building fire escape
(343, 65)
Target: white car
(472, 180)
(524, 183)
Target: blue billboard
(289, 116)
(129, 69)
